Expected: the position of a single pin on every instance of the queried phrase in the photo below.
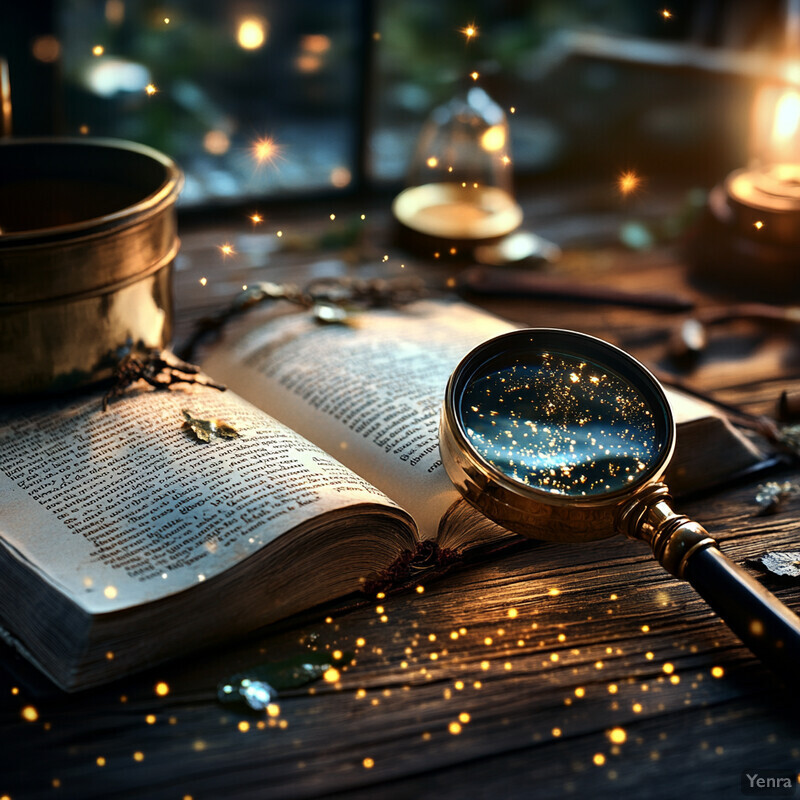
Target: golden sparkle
(252, 33)
(150, 89)
(717, 672)
(265, 150)
(162, 689)
(758, 225)
(227, 249)
(618, 735)
(628, 182)
(470, 32)
(29, 714)
(331, 675)
(98, 50)
(368, 763)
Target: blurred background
(332, 95)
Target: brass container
(88, 235)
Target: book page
(121, 507)
(368, 392)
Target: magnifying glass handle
(685, 549)
(754, 614)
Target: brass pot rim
(163, 195)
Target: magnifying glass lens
(561, 423)
(561, 436)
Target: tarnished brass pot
(87, 238)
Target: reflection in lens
(560, 424)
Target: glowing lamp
(752, 237)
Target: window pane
(251, 98)
(586, 85)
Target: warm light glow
(474, 75)
(331, 675)
(316, 43)
(98, 50)
(110, 592)
(216, 142)
(30, 714)
(787, 119)
(666, 13)
(628, 182)
(617, 735)
(46, 49)
(432, 161)
(717, 672)
(341, 177)
(758, 225)
(252, 33)
(454, 728)
(494, 138)
(256, 219)
(150, 89)
(368, 763)
(227, 249)
(599, 759)
(203, 281)
(162, 689)
(470, 31)
(265, 150)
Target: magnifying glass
(561, 436)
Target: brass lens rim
(485, 485)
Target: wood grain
(600, 636)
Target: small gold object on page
(204, 429)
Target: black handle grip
(752, 612)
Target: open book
(124, 541)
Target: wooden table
(516, 706)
